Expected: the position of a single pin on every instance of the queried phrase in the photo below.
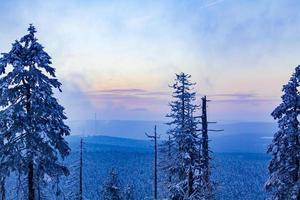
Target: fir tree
(184, 140)
(111, 189)
(32, 121)
(284, 167)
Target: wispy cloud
(242, 98)
(118, 91)
(236, 95)
(239, 52)
(211, 3)
(129, 92)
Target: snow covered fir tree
(182, 151)
(114, 189)
(32, 127)
(284, 167)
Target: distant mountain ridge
(252, 137)
(134, 129)
(110, 143)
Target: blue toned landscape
(240, 175)
(239, 158)
(149, 100)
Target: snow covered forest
(40, 159)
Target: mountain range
(250, 137)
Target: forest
(41, 159)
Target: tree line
(33, 131)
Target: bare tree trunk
(155, 164)
(155, 161)
(31, 191)
(205, 157)
(81, 171)
(205, 149)
(2, 188)
(190, 182)
(31, 194)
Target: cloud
(118, 91)
(128, 91)
(123, 103)
(253, 101)
(239, 52)
(212, 3)
(130, 98)
(137, 103)
(236, 95)
(243, 98)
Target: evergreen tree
(3, 171)
(32, 121)
(284, 167)
(184, 140)
(111, 189)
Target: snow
(284, 167)
(32, 122)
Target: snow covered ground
(240, 175)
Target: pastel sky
(117, 58)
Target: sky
(117, 58)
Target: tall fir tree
(184, 140)
(284, 167)
(32, 121)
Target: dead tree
(81, 171)
(154, 137)
(205, 151)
